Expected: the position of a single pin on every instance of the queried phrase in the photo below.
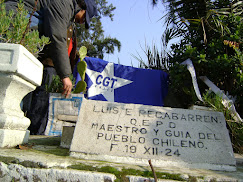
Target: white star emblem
(105, 82)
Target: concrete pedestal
(20, 73)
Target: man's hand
(67, 86)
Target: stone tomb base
(11, 138)
(20, 73)
(133, 133)
(67, 136)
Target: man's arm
(67, 86)
(56, 21)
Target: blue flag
(118, 83)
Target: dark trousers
(38, 109)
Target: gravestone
(133, 133)
(62, 112)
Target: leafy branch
(14, 29)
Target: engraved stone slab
(133, 133)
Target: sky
(136, 24)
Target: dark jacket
(57, 16)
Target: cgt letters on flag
(118, 83)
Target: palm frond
(170, 34)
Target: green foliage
(221, 63)
(81, 67)
(211, 36)
(14, 28)
(215, 101)
(155, 59)
(93, 38)
(56, 85)
(235, 129)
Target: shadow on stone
(44, 140)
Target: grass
(13, 160)
(47, 141)
(121, 174)
(58, 151)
